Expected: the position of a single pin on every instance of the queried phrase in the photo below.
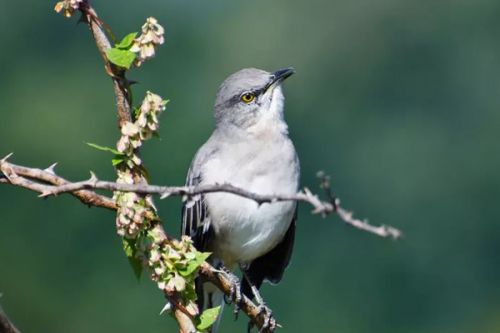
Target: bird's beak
(279, 76)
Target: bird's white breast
(244, 230)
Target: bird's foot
(269, 324)
(269, 321)
(234, 293)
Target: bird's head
(251, 98)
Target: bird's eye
(247, 97)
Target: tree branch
(41, 181)
(6, 326)
(319, 207)
(21, 176)
(123, 103)
(63, 186)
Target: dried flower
(151, 107)
(130, 129)
(151, 36)
(69, 7)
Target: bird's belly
(244, 230)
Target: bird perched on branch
(248, 148)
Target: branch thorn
(165, 195)
(166, 309)
(93, 178)
(51, 168)
(3, 160)
(45, 194)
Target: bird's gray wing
(196, 224)
(271, 265)
(195, 217)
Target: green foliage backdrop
(398, 100)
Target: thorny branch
(80, 190)
(44, 180)
(319, 207)
(121, 87)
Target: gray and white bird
(248, 148)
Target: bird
(249, 148)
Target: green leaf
(104, 148)
(126, 42)
(130, 251)
(118, 159)
(121, 58)
(208, 318)
(194, 264)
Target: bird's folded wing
(195, 219)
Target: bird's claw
(269, 324)
(234, 293)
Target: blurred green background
(397, 100)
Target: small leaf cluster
(174, 266)
(120, 55)
(133, 49)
